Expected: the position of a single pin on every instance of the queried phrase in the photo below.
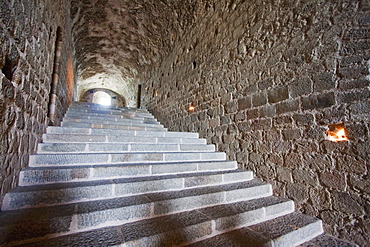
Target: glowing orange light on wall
(191, 108)
(337, 133)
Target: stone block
(139, 187)
(61, 147)
(202, 180)
(231, 107)
(73, 138)
(324, 81)
(36, 198)
(131, 139)
(297, 192)
(300, 87)
(352, 96)
(115, 171)
(238, 220)
(334, 180)
(204, 166)
(303, 119)
(291, 134)
(63, 159)
(237, 176)
(173, 168)
(318, 101)
(284, 174)
(213, 156)
(136, 157)
(46, 175)
(187, 203)
(277, 94)
(113, 216)
(248, 193)
(347, 203)
(346, 163)
(244, 103)
(267, 111)
(259, 99)
(252, 113)
(305, 176)
(287, 106)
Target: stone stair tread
(116, 157)
(101, 115)
(112, 124)
(76, 184)
(58, 194)
(118, 127)
(96, 147)
(122, 120)
(54, 138)
(114, 175)
(44, 213)
(168, 224)
(89, 131)
(107, 112)
(87, 119)
(123, 116)
(36, 175)
(288, 230)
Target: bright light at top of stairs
(102, 98)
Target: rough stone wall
(117, 39)
(266, 78)
(27, 40)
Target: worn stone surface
(27, 40)
(268, 77)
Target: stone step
(115, 132)
(121, 148)
(55, 174)
(288, 230)
(125, 122)
(112, 158)
(108, 112)
(102, 107)
(175, 229)
(66, 193)
(122, 117)
(120, 139)
(102, 115)
(110, 125)
(118, 211)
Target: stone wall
(266, 79)
(27, 40)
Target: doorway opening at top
(103, 97)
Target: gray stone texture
(27, 52)
(281, 72)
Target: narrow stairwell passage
(116, 177)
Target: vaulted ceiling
(117, 39)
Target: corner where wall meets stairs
(113, 176)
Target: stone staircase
(115, 177)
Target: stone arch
(102, 98)
(91, 95)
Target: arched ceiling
(116, 39)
